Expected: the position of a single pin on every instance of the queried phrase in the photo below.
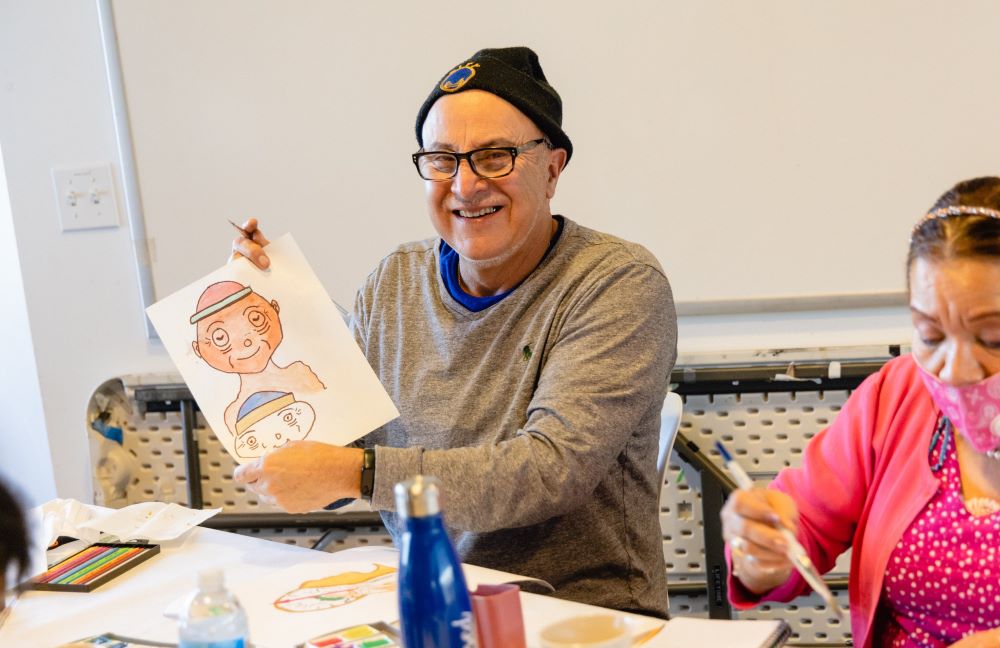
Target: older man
(528, 356)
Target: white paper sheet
(269, 358)
(683, 632)
(153, 521)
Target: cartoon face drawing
(269, 420)
(338, 590)
(237, 329)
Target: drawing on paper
(237, 332)
(338, 590)
(269, 420)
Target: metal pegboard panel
(808, 616)
(765, 431)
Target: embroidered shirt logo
(526, 352)
(458, 77)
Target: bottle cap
(418, 497)
(210, 580)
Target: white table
(134, 603)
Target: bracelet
(368, 474)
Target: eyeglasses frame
(467, 156)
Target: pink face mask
(974, 409)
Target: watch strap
(368, 474)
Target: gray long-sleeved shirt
(539, 415)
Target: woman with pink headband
(908, 475)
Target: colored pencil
(61, 568)
(91, 559)
(76, 575)
(125, 557)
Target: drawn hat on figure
(218, 296)
(259, 406)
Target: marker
(796, 552)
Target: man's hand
(252, 247)
(304, 476)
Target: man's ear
(557, 162)
(197, 351)
(274, 305)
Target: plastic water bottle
(214, 618)
(435, 609)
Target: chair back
(670, 421)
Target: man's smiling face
(241, 337)
(489, 222)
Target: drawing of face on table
(337, 590)
(237, 332)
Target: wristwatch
(368, 474)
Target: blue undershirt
(449, 274)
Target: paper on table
(683, 632)
(293, 604)
(66, 517)
(155, 521)
(474, 575)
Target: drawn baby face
(240, 338)
(291, 423)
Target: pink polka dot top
(943, 577)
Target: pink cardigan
(861, 483)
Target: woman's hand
(251, 246)
(759, 555)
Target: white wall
(771, 150)
(24, 459)
(80, 288)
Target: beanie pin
(459, 77)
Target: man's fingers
(243, 246)
(248, 473)
(252, 245)
(251, 227)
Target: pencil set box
(93, 566)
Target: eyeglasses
(492, 162)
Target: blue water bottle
(435, 610)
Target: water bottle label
(228, 643)
(467, 629)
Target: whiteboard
(772, 154)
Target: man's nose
(961, 367)
(466, 183)
(247, 342)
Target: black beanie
(513, 74)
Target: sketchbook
(684, 632)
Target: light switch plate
(86, 197)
